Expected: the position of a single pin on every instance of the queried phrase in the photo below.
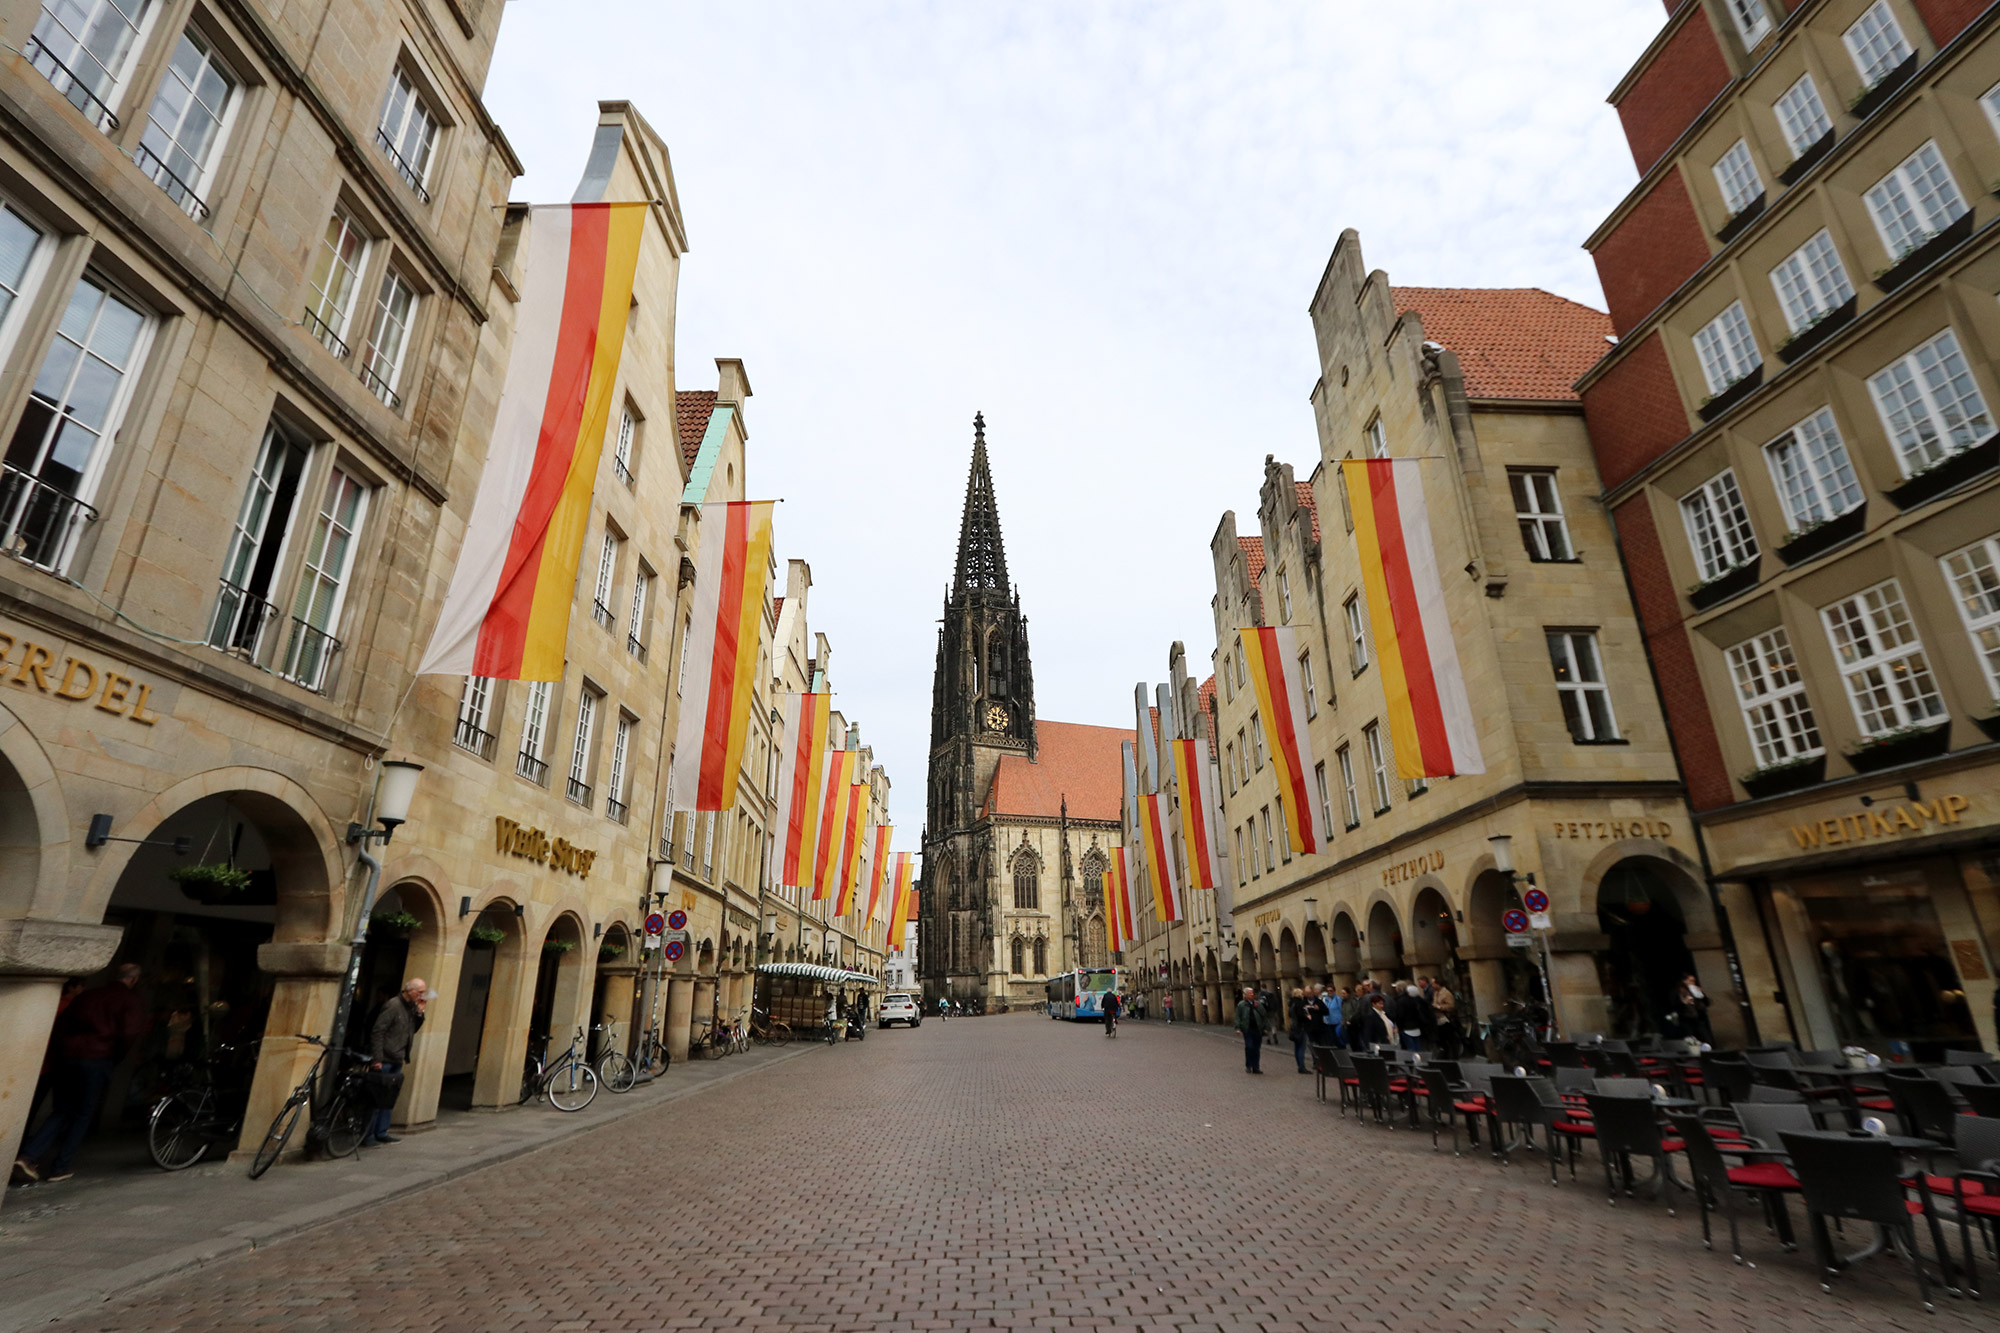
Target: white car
(899, 1009)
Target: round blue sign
(677, 920)
(674, 950)
(655, 923)
(1535, 900)
(1514, 920)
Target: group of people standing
(1420, 1015)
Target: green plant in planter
(486, 934)
(558, 946)
(400, 922)
(1884, 739)
(214, 877)
(1694, 589)
(1781, 767)
(608, 951)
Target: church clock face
(996, 717)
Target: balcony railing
(615, 810)
(531, 768)
(40, 523)
(602, 614)
(73, 88)
(667, 848)
(241, 617)
(310, 657)
(323, 331)
(379, 386)
(635, 647)
(165, 177)
(403, 168)
(466, 736)
(624, 473)
(580, 792)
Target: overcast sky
(1100, 224)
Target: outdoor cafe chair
(1517, 1102)
(1629, 1126)
(1350, 1080)
(1716, 1182)
(1563, 1055)
(1376, 1088)
(1973, 1058)
(1441, 1104)
(1623, 1087)
(1727, 1077)
(1984, 1101)
(1975, 1190)
(1924, 1104)
(1858, 1178)
(1573, 1081)
(1323, 1069)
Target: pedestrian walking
(1375, 1028)
(1250, 1024)
(1267, 1001)
(94, 1034)
(1411, 1016)
(1444, 1018)
(1694, 1009)
(1168, 1005)
(395, 1027)
(1297, 1013)
(1355, 1006)
(1334, 1016)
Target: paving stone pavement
(1014, 1173)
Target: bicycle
(336, 1129)
(773, 1032)
(568, 1081)
(615, 1069)
(188, 1121)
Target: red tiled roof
(1513, 342)
(777, 606)
(1310, 505)
(1253, 556)
(1072, 760)
(692, 409)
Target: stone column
(308, 988)
(423, 1078)
(1581, 1005)
(35, 956)
(680, 1013)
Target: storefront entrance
(1641, 967)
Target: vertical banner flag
(838, 786)
(1113, 873)
(507, 612)
(1197, 791)
(901, 899)
(801, 769)
(878, 868)
(1271, 658)
(1128, 922)
(1159, 858)
(719, 656)
(851, 840)
(1430, 719)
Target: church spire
(982, 560)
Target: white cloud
(1099, 223)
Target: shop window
(1882, 660)
(1915, 201)
(1727, 349)
(1814, 477)
(184, 126)
(1772, 695)
(1802, 116)
(1718, 526)
(1929, 404)
(1736, 176)
(1580, 684)
(1538, 509)
(1974, 573)
(1811, 282)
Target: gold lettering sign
(1613, 829)
(1878, 822)
(1409, 870)
(78, 680)
(1267, 918)
(533, 844)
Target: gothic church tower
(982, 709)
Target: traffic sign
(677, 919)
(1535, 900)
(1514, 920)
(1540, 921)
(655, 923)
(1520, 942)
(680, 936)
(675, 948)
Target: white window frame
(1727, 349)
(1284, 599)
(1881, 658)
(1811, 282)
(621, 454)
(1306, 681)
(579, 754)
(475, 706)
(1914, 201)
(1349, 794)
(1990, 101)
(1973, 574)
(614, 784)
(73, 50)
(1544, 531)
(1718, 526)
(1229, 764)
(389, 337)
(320, 576)
(251, 534)
(1581, 686)
(1876, 43)
(1325, 802)
(1378, 438)
(635, 630)
(413, 113)
(1802, 115)
(1270, 848)
(535, 720)
(1736, 176)
(1243, 753)
(1257, 741)
(1242, 866)
(1753, 21)
(17, 299)
(1378, 765)
(1812, 472)
(1357, 634)
(201, 164)
(607, 574)
(1771, 692)
(1930, 403)
(334, 295)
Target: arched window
(1093, 880)
(1041, 957)
(1020, 954)
(1027, 881)
(996, 670)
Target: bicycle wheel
(781, 1034)
(658, 1057)
(615, 1072)
(346, 1121)
(531, 1083)
(571, 1086)
(278, 1134)
(174, 1132)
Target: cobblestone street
(1014, 1173)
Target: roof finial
(979, 427)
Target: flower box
(1817, 332)
(213, 882)
(1731, 395)
(396, 923)
(1823, 536)
(1948, 238)
(487, 936)
(1905, 745)
(1730, 583)
(1990, 724)
(1790, 775)
(1807, 160)
(1948, 473)
(1742, 218)
(1870, 99)
(558, 946)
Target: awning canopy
(817, 972)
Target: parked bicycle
(769, 1032)
(204, 1110)
(338, 1123)
(568, 1081)
(719, 1039)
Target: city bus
(1080, 994)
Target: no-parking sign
(677, 920)
(1514, 921)
(674, 950)
(655, 923)
(1535, 900)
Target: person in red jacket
(96, 1032)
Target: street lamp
(395, 788)
(1503, 853)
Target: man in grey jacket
(389, 1041)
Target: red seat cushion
(1946, 1184)
(1672, 1145)
(1574, 1127)
(1984, 1205)
(1764, 1176)
(1876, 1104)
(1724, 1132)
(1470, 1108)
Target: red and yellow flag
(1159, 858)
(1271, 659)
(801, 770)
(851, 840)
(838, 787)
(507, 612)
(719, 657)
(1197, 792)
(902, 898)
(878, 867)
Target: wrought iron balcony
(39, 522)
(667, 848)
(615, 810)
(379, 386)
(466, 736)
(69, 84)
(602, 614)
(624, 473)
(531, 768)
(323, 331)
(402, 166)
(580, 792)
(240, 619)
(635, 647)
(310, 657)
(167, 179)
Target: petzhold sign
(534, 845)
(1881, 822)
